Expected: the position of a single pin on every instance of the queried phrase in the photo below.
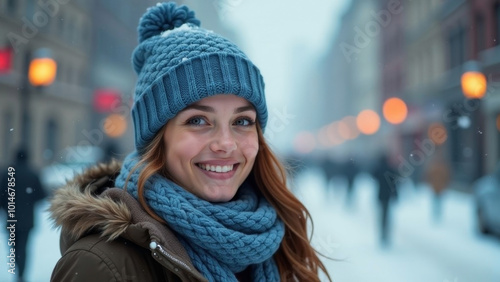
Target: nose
(223, 141)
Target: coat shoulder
(93, 258)
(106, 234)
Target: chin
(219, 198)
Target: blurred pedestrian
(202, 198)
(350, 171)
(438, 176)
(387, 179)
(28, 190)
(327, 166)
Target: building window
(498, 137)
(480, 33)
(12, 7)
(457, 47)
(50, 139)
(452, 50)
(47, 26)
(60, 25)
(462, 43)
(61, 75)
(29, 9)
(8, 130)
(85, 36)
(497, 24)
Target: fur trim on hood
(78, 207)
(90, 204)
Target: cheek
(182, 149)
(250, 147)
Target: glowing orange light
(368, 122)
(395, 110)
(347, 128)
(304, 142)
(42, 71)
(343, 130)
(473, 85)
(498, 122)
(332, 133)
(115, 125)
(437, 133)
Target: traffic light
(473, 84)
(5, 59)
(42, 71)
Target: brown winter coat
(107, 236)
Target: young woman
(202, 198)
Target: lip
(219, 162)
(219, 175)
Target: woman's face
(211, 146)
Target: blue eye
(196, 121)
(244, 122)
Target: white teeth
(217, 168)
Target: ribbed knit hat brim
(191, 81)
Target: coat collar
(86, 204)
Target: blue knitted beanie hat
(179, 63)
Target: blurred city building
(445, 38)
(57, 113)
(416, 51)
(89, 102)
(421, 48)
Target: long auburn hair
(297, 260)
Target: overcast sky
(270, 31)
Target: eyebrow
(212, 110)
(244, 109)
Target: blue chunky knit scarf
(221, 238)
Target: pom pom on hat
(163, 17)
(179, 63)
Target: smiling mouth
(217, 168)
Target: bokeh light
(115, 125)
(368, 122)
(347, 128)
(332, 133)
(395, 110)
(304, 142)
(42, 71)
(437, 133)
(473, 85)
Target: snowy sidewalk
(421, 249)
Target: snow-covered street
(421, 249)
